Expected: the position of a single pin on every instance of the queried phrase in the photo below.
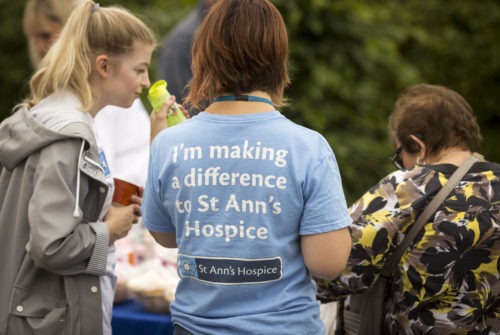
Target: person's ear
(102, 65)
(421, 145)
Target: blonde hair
(90, 30)
(57, 11)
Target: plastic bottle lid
(157, 89)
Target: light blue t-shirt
(239, 191)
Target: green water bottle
(157, 95)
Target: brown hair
(241, 46)
(438, 116)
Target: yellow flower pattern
(449, 280)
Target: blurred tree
(349, 61)
(347, 71)
(459, 49)
(14, 61)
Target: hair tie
(95, 8)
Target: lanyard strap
(243, 98)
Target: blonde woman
(123, 133)
(56, 219)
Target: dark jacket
(175, 59)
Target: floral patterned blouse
(449, 281)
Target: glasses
(396, 159)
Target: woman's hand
(159, 119)
(119, 219)
(137, 198)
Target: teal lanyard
(243, 98)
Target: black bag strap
(430, 209)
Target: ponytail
(90, 30)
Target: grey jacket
(53, 247)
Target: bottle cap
(157, 94)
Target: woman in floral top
(448, 282)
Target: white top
(123, 134)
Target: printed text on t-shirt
(216, 176)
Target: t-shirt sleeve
(325, 207)
(154, 214)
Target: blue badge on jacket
(104, 163)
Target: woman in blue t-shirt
(253, 201)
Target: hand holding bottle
(158, 95)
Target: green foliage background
(349, 61)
